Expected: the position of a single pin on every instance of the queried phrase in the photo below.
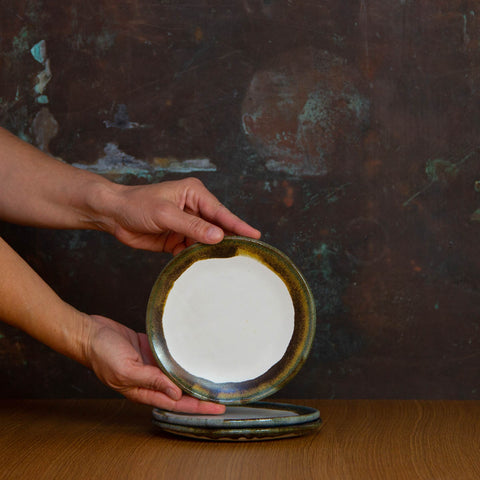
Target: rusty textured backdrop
(348, 132)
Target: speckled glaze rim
(247, 434)
(235, 393)
(298, 414)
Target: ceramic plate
(231, 322)
(240, 434)
(259, 414)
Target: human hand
(45, 192)
(122, 360)
(170, 216)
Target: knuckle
(132, 396)
(193, 182)
(196, 224)
(157, 384)
(220, 206)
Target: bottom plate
(245, 434)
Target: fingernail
(214, 234)
(220, 409)
(173, 394)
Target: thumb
(191, 226)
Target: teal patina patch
(323, 253)
(440, 170)
(105, 40)
(326, 280)
(39, 51)
(42, 99)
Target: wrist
(80, 339)
(101, 199)
(69, 332)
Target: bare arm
(120, 357)
(28, 303)
(39, 190)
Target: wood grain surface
(360, 439)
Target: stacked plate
(233, 323)
(257, 421)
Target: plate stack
(232, 323)
(257, 421)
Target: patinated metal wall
(347, 131)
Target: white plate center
(228, 319)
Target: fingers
(220, 215)
(150, 378)
(183, 211)
(145, 350)
(190, 225)
(185, 404)
(192, 405)
(208, 206)
(152, 387)
(180, 247)
(211, 209)
(174, 240)
(145, 241)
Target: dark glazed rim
(235, 393)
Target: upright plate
(234, 392)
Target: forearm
(29, 304)
(38, 190)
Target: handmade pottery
(231, 322)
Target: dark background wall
(347, 131)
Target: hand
(170, 216)
(122, 359)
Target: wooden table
(361, 439)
